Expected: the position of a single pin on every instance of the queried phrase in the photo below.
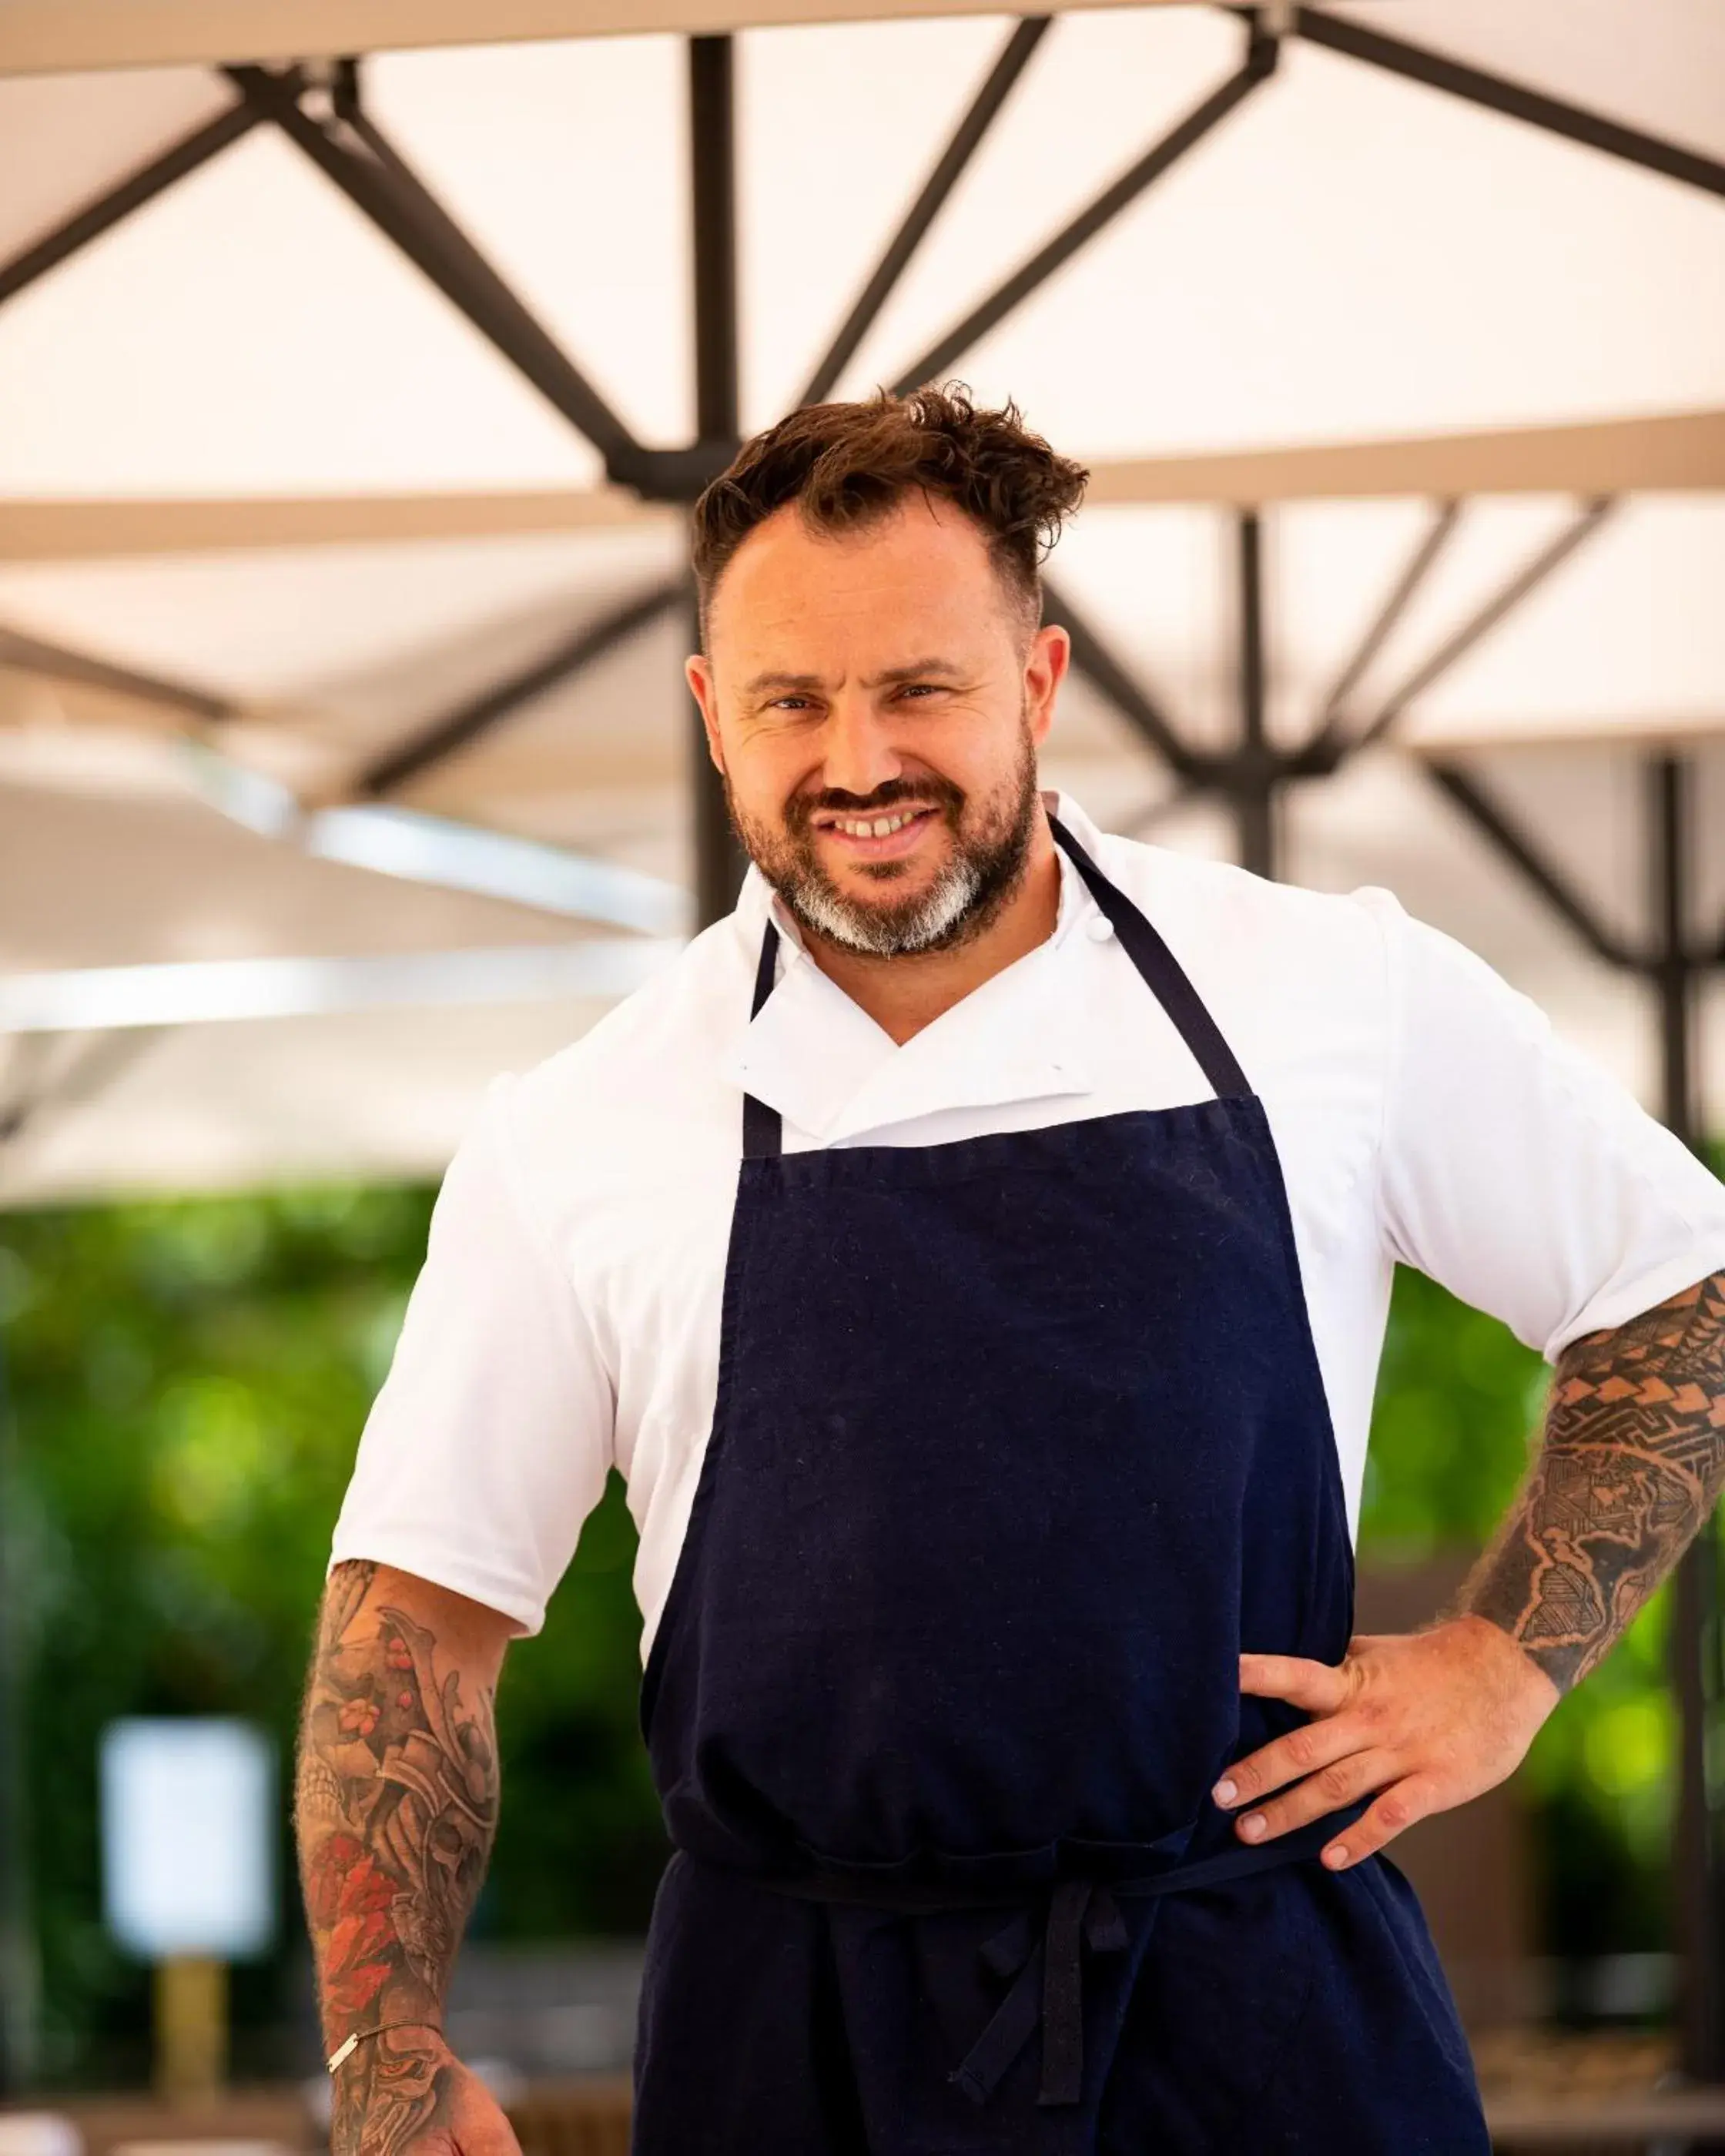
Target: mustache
(801, 809)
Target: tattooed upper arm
(1632, 1461)
(396, 1802)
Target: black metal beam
(1102, 668)
(1517, 847)
(1672, 962)
(55, 663)
(1526, 580)
(132, 194)
(481, 715)
(1260, 64)
(1249, 780)
(720, 862)
(712, 127)
(953, 162)
(1576, 123)
(1325, 749)
(382, 186)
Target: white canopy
(263, 486)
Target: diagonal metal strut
(132, 194)
(457, 729)
(1103, 668)
(1516, 845)
(951, 167)
(1517, 100)
(1327, 736)
(1259, 63)
(54, 662)
(1455, 647)
(381, 184)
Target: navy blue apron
(1019, 1442)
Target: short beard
(986, 868)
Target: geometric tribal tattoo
(1632, 1461)
(396, 1805)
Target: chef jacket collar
(818, 1058)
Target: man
(975, 1252)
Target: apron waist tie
(1045, 1963)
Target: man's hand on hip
(1424, 1720)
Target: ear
(1045, 665)
(698, 672)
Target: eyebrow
(918, 669)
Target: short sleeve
(488, 1443)
(1515, 1171)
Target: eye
(920, 688)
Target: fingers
(1413, 1798)
(1343, 1783)
(1302, 1751)
(1315, 1686)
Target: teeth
(879, 827)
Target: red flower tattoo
(349, 1899)
(359, 1718)
(399, 1655)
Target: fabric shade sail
(279, 504)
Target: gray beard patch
(896, 934)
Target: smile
(873, 839)
(876, 827)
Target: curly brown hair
(847, 465)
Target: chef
(975, 1253)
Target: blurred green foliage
(188, 1382)
(1460, 1401)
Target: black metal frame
(1259, 65)
(139, 187)
(480, 715)
(719, 861)
(967, 139)
(1516, 101)
(341, 139)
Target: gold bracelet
(345, 2050)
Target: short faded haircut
(847, 466)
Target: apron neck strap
(1161, 972)
(762, 1128)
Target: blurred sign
(189, 1837)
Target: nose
(857, 754)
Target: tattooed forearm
(396, 1802)
(1632, 1461)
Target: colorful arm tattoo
(396, 1803)
(1632, 1461)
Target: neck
(904, 993)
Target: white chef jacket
(567, 1318)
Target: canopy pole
(1699, 1905)
(719, 859)
(1254, 781)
